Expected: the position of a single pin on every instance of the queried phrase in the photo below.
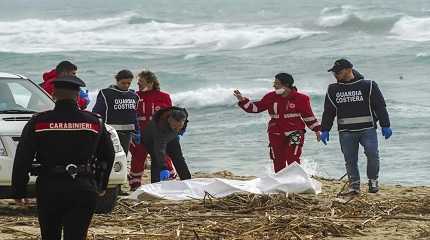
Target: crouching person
(160, 138)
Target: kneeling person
(160, 137)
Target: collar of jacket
(356, 79)
(115, 87)
(66, 105)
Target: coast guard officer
(117, 105)
(358, 105)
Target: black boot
(373, 185)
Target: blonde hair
(150, 78)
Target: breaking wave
(132, 32)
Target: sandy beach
(201, 52)
(397, 212)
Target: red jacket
(287, 114)
(149, 103)
(48, 78)
(48, 86)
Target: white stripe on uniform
(309, 119)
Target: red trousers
(284, 150)
(138, 159)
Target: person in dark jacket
(160, 137)
(67, 143)
(117, 105)
(358, 105)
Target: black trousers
(64, 209)
(174, 150)
(124, 139)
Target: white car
(20, 98)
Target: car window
(23, 95)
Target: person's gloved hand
(137, 137)
(387, 132)
(325, 137)
(84, 99)
(84, 95)
(164, 175)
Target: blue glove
(84, 95)
(137, 137)
(164, 175)
(387, 132)
(325, 137)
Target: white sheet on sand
(292, 179)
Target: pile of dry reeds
(248, 216)
(239, 216)
(251, 216)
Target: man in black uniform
(358, 105)
(117, 105)
(66, 142)
(160, 136)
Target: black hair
(286, 79)
(179, 114)
(124, 74)
(65, 66)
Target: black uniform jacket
(65, 135)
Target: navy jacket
(357, 104)
(118, 108)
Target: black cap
(69, 82)
(285, 78)
(340, 65)
(178, 114)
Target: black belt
(71, 170)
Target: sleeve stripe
(314, 125)
(309, 119)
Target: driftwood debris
(250, 216)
